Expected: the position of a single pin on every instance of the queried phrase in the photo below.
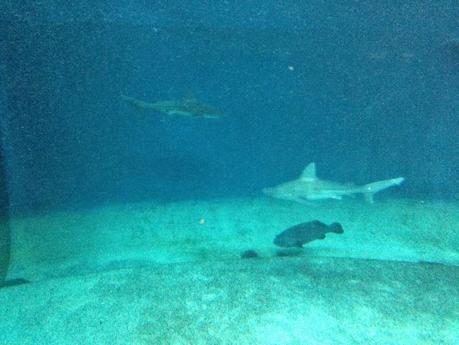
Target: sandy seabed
(156, 273)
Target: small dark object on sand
(303, 233)
(249, 254)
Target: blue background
(367, 90)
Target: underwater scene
(229, 172)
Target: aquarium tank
(229, 172)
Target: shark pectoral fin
(369, 197)
(302, 201)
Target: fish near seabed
(188, 106)
(308, 187)
(296, 236)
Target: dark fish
(303, 233)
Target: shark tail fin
(128, 99)
(137, 103)
(370, 189)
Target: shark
(188, 106)
(308, 187)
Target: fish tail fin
(370, 189)
(336, 228)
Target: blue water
(367, 91)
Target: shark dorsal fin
(309, 173)
(190, 98)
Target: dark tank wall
(366, 90)
(4, 199)
(4, 221)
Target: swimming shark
(308, 187)
(188, 106)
